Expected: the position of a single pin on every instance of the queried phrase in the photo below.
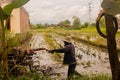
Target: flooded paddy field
(90, 60)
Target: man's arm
(61, 50)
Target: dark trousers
(71, 69)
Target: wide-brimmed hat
(68, 39)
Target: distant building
(68, 26)
(19, 19)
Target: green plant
(53, 45)
(91, 77)
(4, 47)
(77, 77)
(100, 77)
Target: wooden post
(112, 49)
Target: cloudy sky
(54, 11)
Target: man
(69, 55)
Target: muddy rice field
(90, 60)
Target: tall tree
(86, 24)
(76, 22)
(64, 23)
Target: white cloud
(53, 11)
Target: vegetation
(5, 47)
(89, 31)
(33, 76)
(37, 76)
(64, 23)
(92, 77)
(76, 22)
(100, 77)
(67, 24)
(38, 26)
(53, 45)
(81, 32)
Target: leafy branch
(4, 47)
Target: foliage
(4, 17)
(15, 4)
(33, 76)
(38, 76)
(28, 35)
(32, 26)
(53, 45)
(102, 22)
(64, 23)
(91, 77)
(76, 22)
(92, 24)
(100, 77)
(86, 24)
(41, 25)
(38, 26)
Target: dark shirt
(69, 53)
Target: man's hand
(51, 51)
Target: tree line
(76, 24)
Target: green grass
(33, 76)
(37, 76)
(53, 45)
(88, 33)
(92, 77)
(100, 77)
